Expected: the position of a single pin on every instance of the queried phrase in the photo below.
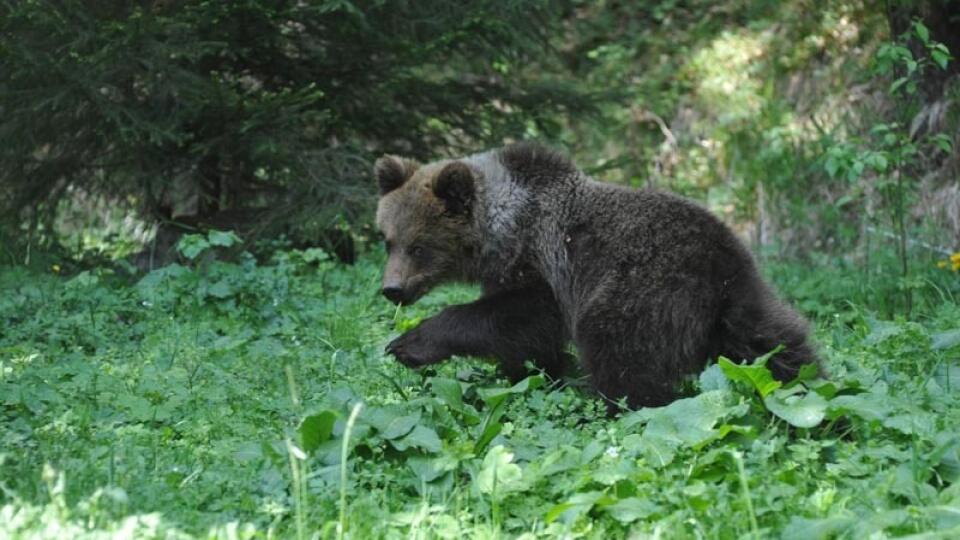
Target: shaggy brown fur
(648, 286)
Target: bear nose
(393, 294)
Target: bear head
(425, 215)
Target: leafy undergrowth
(216, 402)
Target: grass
(245, 400)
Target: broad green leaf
(877, 161)
(946, 340)
(632, 509)
(449, 391)
(871, 406)
(429, 469)
(391, 422)
(690, 422)
(807, 374)
(160, 279)
(804, 411)
(941, 57)
(221, 289)
(248, 451)
(494, 396)
(943, 142)
(578, 505)
(881, 331)
(713, 378)
(593, 449)
(921, 31)
(267, 347)
(947, 375)
(400, 426)
(316, 428)
(832, 166)
(947, 520)
(757, 375)
(192, 245)
(801, 528)
(911, 422)
(498, 474)
(421, 437)
(82, 280)
(222, 238)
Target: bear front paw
(415, 349)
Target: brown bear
(648, 286)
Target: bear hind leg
(756, 322)
(642, 356)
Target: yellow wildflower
(55, 268)
(941, 264)
(955, 262)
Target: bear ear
(455, 187)
(392, 171)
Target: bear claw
(414, 349)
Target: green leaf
(881, 331)
(391, 422)
(807, 372)
(713, 378)
(877, 161)
(801, 528)
(632, 509)
(941, 58)
(428, 469)
(946, 340)
(943, 142)
(947, 375)
(421, 437)
(406, 324)
(248, 451)
(855, 170)
(221, 289)
(400, 426)
(222, 238)
(315, 429)
(921, 31)
(490, 427)
(804, 411)
(449, 391)
(499, 474)
(832, 166)
(690, 422)
(494, 396)
(496, 400)
(897, 84)
(192, 245)
(757, 376)
(578, 505)
(871, 406)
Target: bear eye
(416, 251)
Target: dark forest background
(816, 128)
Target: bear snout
(394, 294)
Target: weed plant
(253, 400)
